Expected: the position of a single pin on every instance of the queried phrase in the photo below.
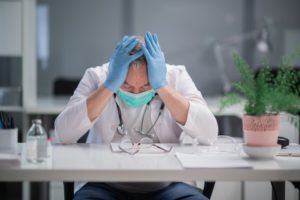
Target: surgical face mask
(135, 100)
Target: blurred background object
(10, 96)
(65, 86)
(262, 42)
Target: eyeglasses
(126, 145)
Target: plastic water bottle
(36, 142)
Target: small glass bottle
(36, 142)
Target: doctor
(138, 95)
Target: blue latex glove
(119, 63)
(156, 63)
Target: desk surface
(98, 163)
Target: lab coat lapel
(111, 121)
(155, 106)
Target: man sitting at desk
(136, 95)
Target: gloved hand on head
(119, 63)
(156, 63)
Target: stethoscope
(121, 128)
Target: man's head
(137, 78)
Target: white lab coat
(73, 122)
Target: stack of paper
(291, 150)
(213, 160)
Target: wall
(187, 31)
(10, 43)
(84, 34)
(282, 17)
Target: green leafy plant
(266, 92)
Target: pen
(1, 124)
(289, 154)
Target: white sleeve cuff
(200, 124)
(72, 123)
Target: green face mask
(135, 100)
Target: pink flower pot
(261, 130)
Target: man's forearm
(176, 103)
(97, 101)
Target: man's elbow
(213, 129)
(59, 135)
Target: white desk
(97, 163)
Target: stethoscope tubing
(121, 128)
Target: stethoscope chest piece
(121, 129)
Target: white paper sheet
(212, 160)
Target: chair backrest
(208, 188)
(68, 190)
(65, 86)
(230, 125)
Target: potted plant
(264, 95)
